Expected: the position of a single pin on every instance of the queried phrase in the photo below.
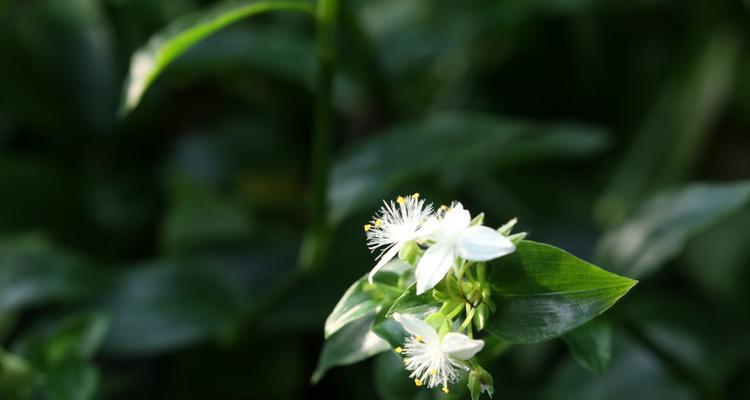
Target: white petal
(480, 243)
(428, 227)
(387, 256)
(417, 327)
(461, 346)
(457, 218)
(433, 266)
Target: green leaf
(149, 61)
(659, 229)
(357, 302)
(544, 292)
(33, 272)
(591, 345)
(460, 143)
(410, 303)
(76, 338)
(353, 343)
(71, 381)
(161, 306)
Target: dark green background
(174, 224)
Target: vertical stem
(316, 239)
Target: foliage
(190, 242)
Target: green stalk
(317, 236)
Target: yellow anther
(406, 361)
(400, 200)
(433, 372)
(367, 227)
(445, 389)
(378, 222)
(418, 382)
(443, 207)
(419, 339)
(399, 350)
(415, 195)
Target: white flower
(434, 360)
(396, 224)
(451, 237)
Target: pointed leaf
(591, 345)
(353, 343)
(544, 292)
(660, 228)
(149, 61)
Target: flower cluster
(444, 246)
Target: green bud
(481, 316)
(516, 238)
(478, 220)
(508, 227)
(480, 381)
(409, 252)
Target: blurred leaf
(634, 373)
(544, 292)
(458, 143)
(32, 272)
(76, 338)
(200, 219)
(71, 381)
(671, 136)
(148, 62)
(591, 345)
(161, 306)
(352, 343)
(16, 376)
(660, 227)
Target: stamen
(378, 222)
(398, 350)
(433, 372)
(400, 200)
(415, 196)
(419, 339)
(407, 361)
(367, 227)
(445, 389)
(418, 382)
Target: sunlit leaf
(353, 343)
(148, 62)
(659, 229)
(357, 302)
(591, 345)
(544, 292)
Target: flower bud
(480, 381)
(409, 252)
(480, 316)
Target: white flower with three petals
(435, 360)
(451, 236)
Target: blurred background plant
(155, 255)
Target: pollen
(433, 372)
(398, 350)
(418, 382)
(445, 390)
(400, 200)
(419, 339)
(415, 196)
(378, 222)
(367, 227)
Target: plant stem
(317, 237)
